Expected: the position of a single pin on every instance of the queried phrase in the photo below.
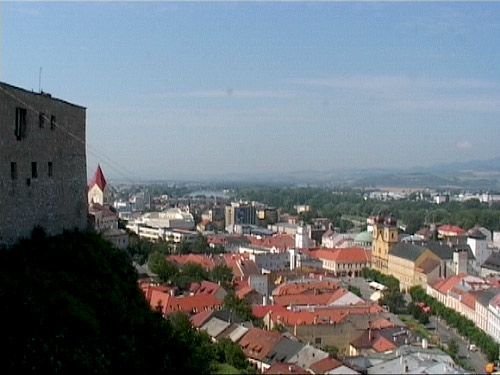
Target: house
(344, 262)
(420, 265)
(494, 318)
(167, 304)
(208, 288)
(382, 340)
(43, 168)
(98, 189)
(285, 368)
(257, 344)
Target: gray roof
(215, 326)
(284, 351)
(493, 262)
(444, 251)
(485, 296)
(407, 251)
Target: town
(250, 187)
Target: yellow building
(413, 265)
(385, 237)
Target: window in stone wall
(20, 123)
(41, 120)
(51, 169)
(52, 122)
(34, 170)
(13, 170)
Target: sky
(184, 90)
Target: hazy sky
(196, 89)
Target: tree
(231, 353)
(239, 306)
(77, 301)
(221, 274)
(166, 271)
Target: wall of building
(54, 195)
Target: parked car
(472, 348)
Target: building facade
(43, 172)
(385, 237)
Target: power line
(89, 148)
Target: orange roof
(449, 283)
(206, 287)
(240, 264)
(300, 288)
(310, 299)
(285, 368)
(205, 261)
(201, 318)
(323, 316)
(98, 179)
(451, 229)
(241, 293)
(261, 311)
(469, 300)
(325, 365)
(279, 242)
(189, 305)
(381, 344)
(381, 323)
(257, 343)
(347, 255)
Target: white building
(172, 218)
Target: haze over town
(178, 90)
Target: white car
(472, 348)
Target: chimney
(369, 334)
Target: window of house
(13, 170)
(52, 122)
(317, 341)
(20, 123)
(34, 170)
(50, 170)
(41, 120)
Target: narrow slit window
(13, 170)
(41, 120)
(34, 170)
(20, 123)
(50, 169)
(52, 122)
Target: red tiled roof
(309, 299)
(279, 242)
(261, 311)
(381, 323)
(206, 287)
(285, 368)
(241, 293)
(325, 365)
(300, 288)
(242, 266)
(381, 344)
(189, 305)
(205, 261)
(347, 255)
(451, 229)
(257, 343)
(449, 283)
(98, 179)
(469, 300)
(323, 316)
(201, 318)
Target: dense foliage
(182, 277)
(336, 204)
(70, 304)
(140, 249)
(465, 326)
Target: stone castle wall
(43, 174)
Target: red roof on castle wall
(98, 179)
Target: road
(476, 359)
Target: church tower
(98, 188)
(385, 237)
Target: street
(476, 359)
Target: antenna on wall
(40, 80)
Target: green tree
(166, 271)
(222, 274)
(231, 353)
(77, 301)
